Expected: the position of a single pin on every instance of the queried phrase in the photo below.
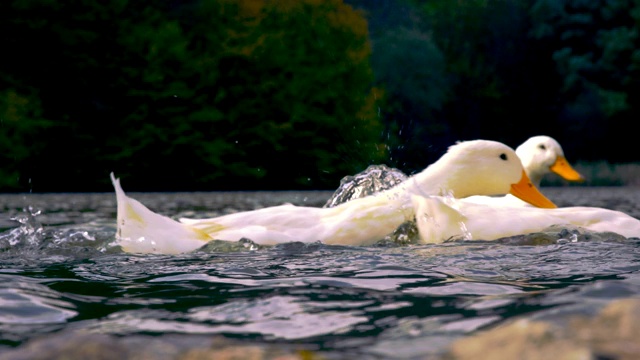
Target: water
(60, 273)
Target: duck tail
(140, 230)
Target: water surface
(60, 272)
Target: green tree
(412, 71)
(296, 85)
(21, 127)
(495, 68)
(595, 48)
(199, 95)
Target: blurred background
(295, 94)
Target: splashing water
(31, 238)
(450, 201)
(377, 178)
(29, 233)
(373, 179)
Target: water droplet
(466, 234)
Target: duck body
(362, 222)
(440, 219)
(472, 167)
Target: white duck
(468, 168)
(440, 219)
(540, 155)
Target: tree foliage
(510, 70)
(596, 50)
(209, 94)
(263, 94)
(494, 66)
(412, 71)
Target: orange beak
(526, 191)
(562, 168)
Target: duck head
(483, 167)
(541, 155)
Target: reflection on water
(60, 271)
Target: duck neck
(430, 181)
(535, 177)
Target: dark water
(59, 272)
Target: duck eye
(503, 156)
(542, 147)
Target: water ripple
(354, 302)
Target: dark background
(296, 94)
